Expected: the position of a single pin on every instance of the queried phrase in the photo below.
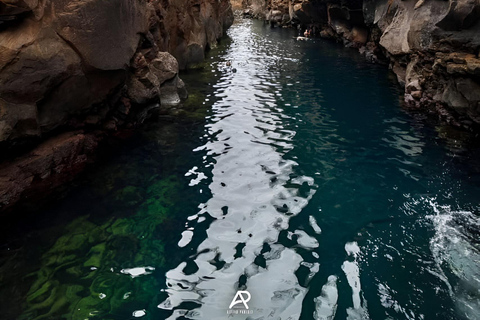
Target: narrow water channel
(298, 178)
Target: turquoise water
(297, 177)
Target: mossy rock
(66, 286)
(95, 255)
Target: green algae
(130, 195)
(81, 275)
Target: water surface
(297, 177)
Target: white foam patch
(314, 268)
(353, 277)
(191, 171)
(306, 241)
(139, 271)
(200, 176)
(326, 303)
(352, 272)
(314, 225)
(139, 313)
(187, 236)
(352, 248)
(452, 249)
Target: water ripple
(253, 194)
(314, 194)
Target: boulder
(169, 93)
(146, 81)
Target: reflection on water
(254, 192)
(295, 176)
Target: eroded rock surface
(91, 65)
(51, 164)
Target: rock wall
(432, 45)
(90, 66)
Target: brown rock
(42, 59)
(469, 89)
(110, 125)
(66, 63)
(473, 66)
(145, 83)
(416, 94)
(75, 96)
(17, 121)
(106, 33)
(400, 71)
(395, 37)
(458, 57)
(453, 98)
(164, 66)
(413, 86)
(48, 166)
(454, 68)
(359, 35)
(413, 73)
(16, 7)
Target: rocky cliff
(432, 45)
(71, 70)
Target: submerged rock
(97, 267)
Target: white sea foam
(314, 224)
(455, 253)
(139, 271)
(326, 303)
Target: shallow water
(298, 178)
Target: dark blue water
(299, 179)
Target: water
(298, 178)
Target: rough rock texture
(432, 45)
(51, 164)
(92, 65)
(149, 80)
